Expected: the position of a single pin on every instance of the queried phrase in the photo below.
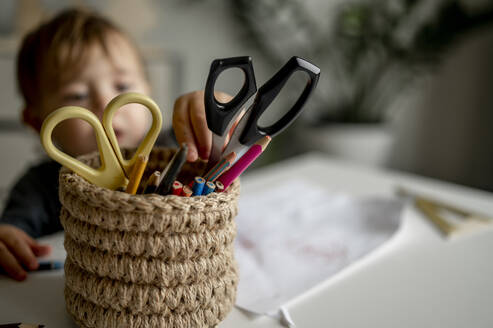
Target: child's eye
(122, 87)
(75, 97)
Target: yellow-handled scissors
(114, 170)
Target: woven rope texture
(147, 260)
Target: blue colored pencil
(208, 188)
(50, 265)
(198, 186)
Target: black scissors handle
(269, 91)
(219, 115)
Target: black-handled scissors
(220, 116)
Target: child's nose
(100, 102)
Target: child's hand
(17, 249)
(190, 123)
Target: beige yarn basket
(147, 260)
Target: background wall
(442, 128)
(447, 131)
(180, 39)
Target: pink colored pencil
(244, 162)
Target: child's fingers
(19, 247)
(9, 263)
(40, 250)
(222, 97)
(36, 248)
(190, 123)
(183, 128)
(199, 124)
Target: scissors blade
(218, 141)
(216, 150)
(234, 143)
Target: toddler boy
(82, 59)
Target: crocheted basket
(147, 260)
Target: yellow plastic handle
(146, 145)
(110, 174)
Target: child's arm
(190, 123)
(32, 210)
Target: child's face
(101, 79)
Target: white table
(418, 279)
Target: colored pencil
(198, 186)
(208, 188)
(169, 174)
(152, 183)
(50, 265)
(244, 162)
(220, 167)
(21, 325)
(219, 186)
(136, 174)
(186, 191)
(177, 188)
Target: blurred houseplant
(371, 52)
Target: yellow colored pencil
(136, 174)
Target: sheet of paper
(57, 250)
(294, 236)
(38, 299)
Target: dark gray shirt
(33, 204)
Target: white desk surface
(418, 279)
